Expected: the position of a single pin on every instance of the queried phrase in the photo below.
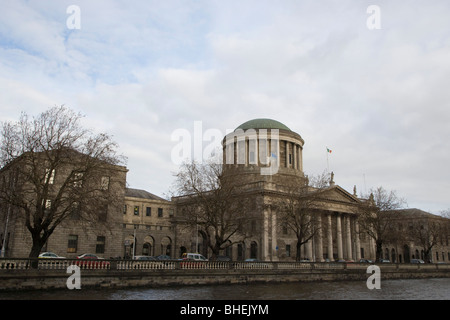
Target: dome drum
(264, 143)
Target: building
(418, 235)
(263, 161)
(265, 158)
(147, 224)
(38, 190)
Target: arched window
(393, 257)
(253, 250)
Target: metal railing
(124, 265)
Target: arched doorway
(148, 246)
(393, 256)
(406, 254)
(253, 250)
(182, 251)
(129, 247)
(166, 246)
(241, 251)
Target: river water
(411, 289)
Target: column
(265, 249)
(318, 242)
(348, 236)
(308, 249)
(339, 237)
(294, 156)
(308, 245)
(300, 159)
(288, 150)
(329, 238)
(357, 241)
(274, 237)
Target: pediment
(338, 194)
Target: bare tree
(425, 232)
(211, 201)
(52, 169)
(296, 208)
(377, 214)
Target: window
(148, 211)
(160, 212)
(288, 250)
(136, 210)
(72, 243)
(78, 180)
(105, 183)
(49, 176)
(100, 246)
(75, 213)
(103, 213)
(48, 204)
(124, 209)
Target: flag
(328, 150)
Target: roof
(419, 213)
(263, 123)
(137, 193)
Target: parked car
(50, 255)
(221, 258)
(365, 261)
(385, 261)
(145, 258)
(194, 257)
(141, 262)
(90, 261)
(193, 261)
(345, 261)
(163, 257)
(417, 261)
(256, 264)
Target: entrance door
(406, 253)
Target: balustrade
(106, 264)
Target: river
(410, 289)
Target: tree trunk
(378, 250)
(35, 250)
(299, 251)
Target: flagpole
(328, 166)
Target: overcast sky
(379, 98)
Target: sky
(367, 79)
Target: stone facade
(100, 233)
(147, 224)
(265, 157)
(266, 160)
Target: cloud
(378, 98)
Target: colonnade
(250, 149)
(336, 237)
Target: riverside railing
(125, 265)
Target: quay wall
(176, 274)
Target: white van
(194, 257)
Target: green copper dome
(263, 124)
